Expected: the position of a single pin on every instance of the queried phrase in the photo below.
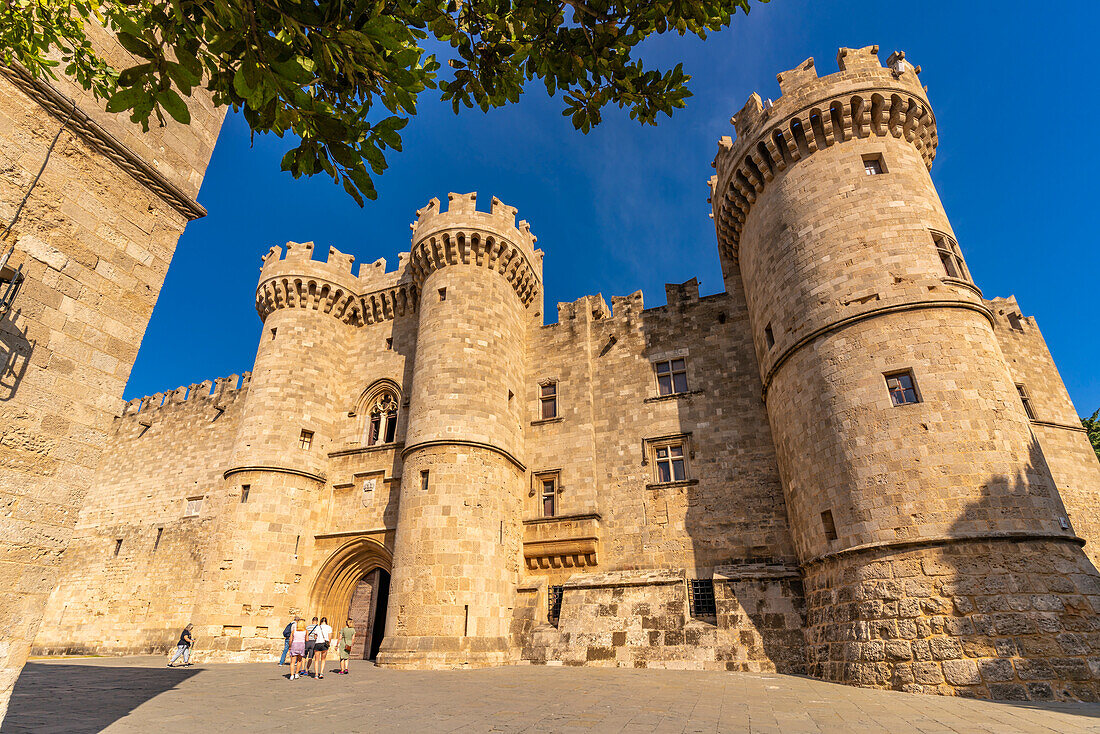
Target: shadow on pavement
(83, 698)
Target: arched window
(382, 426)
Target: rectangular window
(873, 164)
(769, 336)
(549, 496)
(193, 506)
(118, 546)
(902, 387)
(548, 400)
(671, 466)
(244, 493)
(672, 377)
(424, 480)
(828, 524)
(443, 294)
(553, 604)
(160, 534)
(305, 440)
(389, 343)
(702, 598)
(273, 332)
(1026, 400)
(951, 257)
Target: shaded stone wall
(1056, 424)
(992, 619)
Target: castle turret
(916, 491)
(310, 310)
(457, 550)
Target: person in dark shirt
(183, 647)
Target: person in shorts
(322, 638)
(311, 640)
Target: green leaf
(174, 106)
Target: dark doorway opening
(367, 612)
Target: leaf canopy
(343, 77)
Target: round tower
(457, 548)
(936, 551)
(276, 472)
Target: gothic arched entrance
(354, 583)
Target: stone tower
(458, 546)
(916, 491)
(287, 422)
(103, 205)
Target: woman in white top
(323, 636)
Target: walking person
(297, 648)
(322, 636)
(311, 642)
(183, 647)
(347, 637)
(287, 632)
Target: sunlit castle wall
(916, 490)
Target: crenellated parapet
(218, 392)
(863, 99)
(463, 235)
(298, 281)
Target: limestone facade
(828, 468)
(93, 241)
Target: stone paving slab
(138, 694)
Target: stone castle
(848, 464)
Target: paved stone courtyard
(138, 694)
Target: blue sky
(625, 207)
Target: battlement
(217, 392)
(464, 235)
(298, 281)
(462, 212)
(862, 99)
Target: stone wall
(134, 597)
(991, 619)
(94, 239)
(1056, 425)
(731, 504)
(641, 619)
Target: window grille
(702, 598)
(903, 390)
(553, 601)
(548, 398)
(872, 165)
(549, 496)
(1026, 400)
(672, 377)
(671, 466)
(383, 421)
(951, 257)
(305, 440)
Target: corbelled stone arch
(342, 571)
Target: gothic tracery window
(383, 421)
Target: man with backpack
(286, 641)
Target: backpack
(288, 630)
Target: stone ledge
(652, 577)
(393, 445)
(673, 485)
(673, 396)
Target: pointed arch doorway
(354, 584)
